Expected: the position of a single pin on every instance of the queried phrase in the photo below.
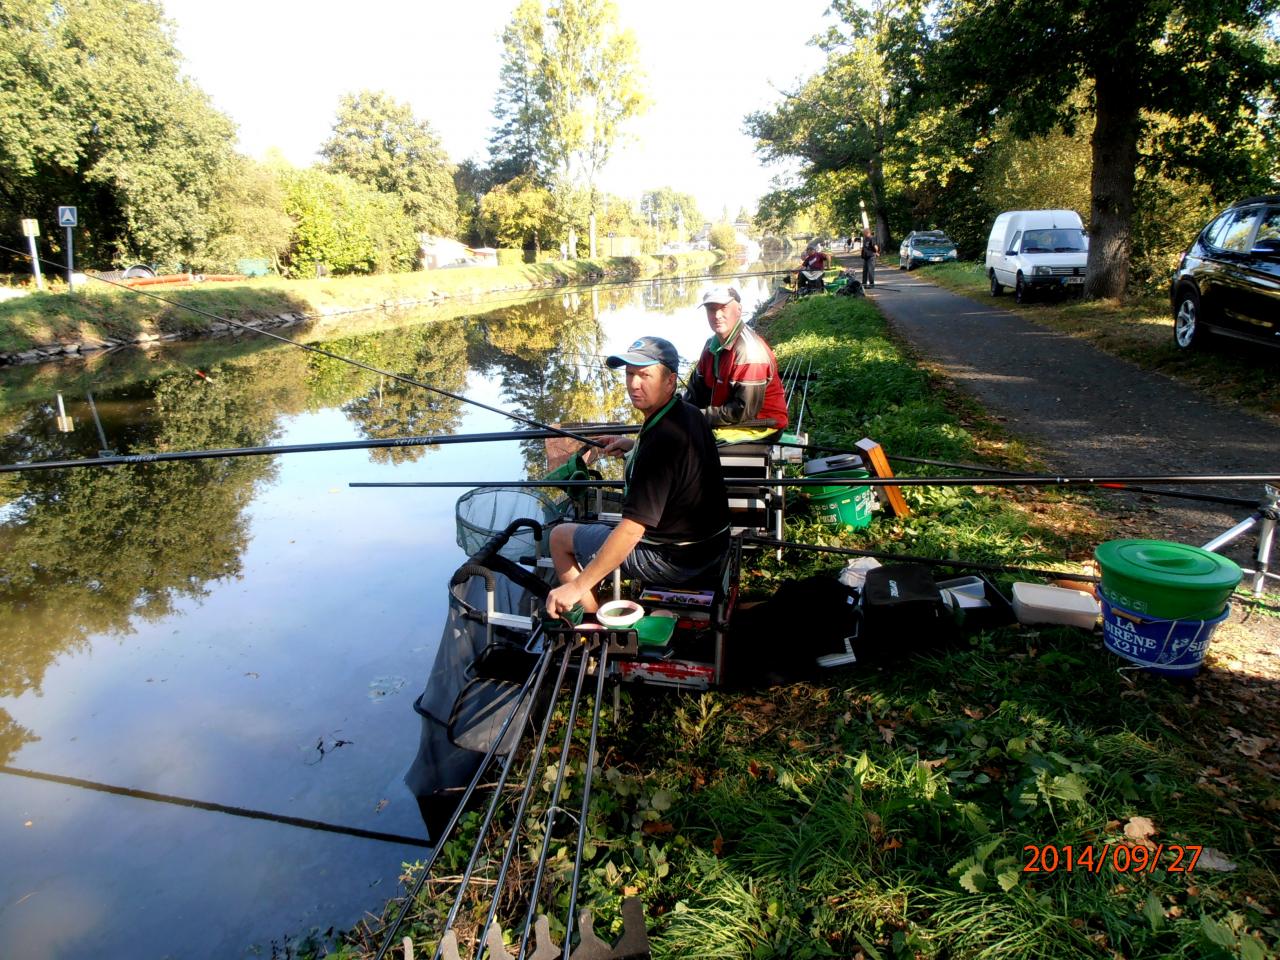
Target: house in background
(438, 252)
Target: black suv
(1228, 281)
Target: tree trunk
(875, 179)
(1115, 159)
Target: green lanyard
(630, 460)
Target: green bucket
(843, 506)
(654, 631)
(1170, 581)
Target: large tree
(344, 227)
(1210, 64)
(670, 212)
(842, 122)
(95, 113)
(570, 80)
(378, 142)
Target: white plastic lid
(619, 613)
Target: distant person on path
(675, 510)
(812, 266)
(736, 378)
(869, 251)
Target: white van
(1037, 251)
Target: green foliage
(344, 226)
(249, 219)
(378, 142)
(1158, 75)
(569, 82)
(96, 114)
(674, 215)
(519, 213)
(724, 237)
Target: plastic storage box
(1037, 603)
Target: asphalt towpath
(1088, 413)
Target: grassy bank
(893, 811)
(1141, 331)
(100, 311)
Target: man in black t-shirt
(675, 511)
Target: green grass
(99, 310)
(1140, 330)
(887, 812)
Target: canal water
(208, 668)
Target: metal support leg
(1265, 538)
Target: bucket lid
(840, 461)
(1167, 564)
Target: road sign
(30, 228)
(66, 216)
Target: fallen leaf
(796, 744)
(893, 844)
(753, 768)
(886, 733)
(1211, 859)
(933, 764)
(1253, 746)
(657, 827)
(717, 845)
(1139, 829)
(973, 713)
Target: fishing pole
(912, 558)
(1016, 481)
(519, 418)
(588, 773)
(981, 468)
(458, 811)
(804, 396)
(246, 812)
(497, 795)
(534, 765)
(553, 809)
(269, 451)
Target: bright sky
(278, 68)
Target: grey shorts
(646, 561)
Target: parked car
(925, 246)
(1037, 251)
(1228, 280)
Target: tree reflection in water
(88, 550)
(383, 407)
(548, 354)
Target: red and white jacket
(738, 381)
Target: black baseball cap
(645, 352)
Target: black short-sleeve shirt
(677, 491)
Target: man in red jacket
(735, 383)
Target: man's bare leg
(566, 562)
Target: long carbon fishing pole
(497, 795)
(456, 816)
(519, 418)
(246, 812)
(1015, 481)
(981, 468)
(928, 561)
(442, 440)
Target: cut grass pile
(1140, 331)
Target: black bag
(902, 612)
(781, 639)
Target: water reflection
(197, 628)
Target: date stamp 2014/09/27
(1117, 857)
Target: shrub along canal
(209, 667)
